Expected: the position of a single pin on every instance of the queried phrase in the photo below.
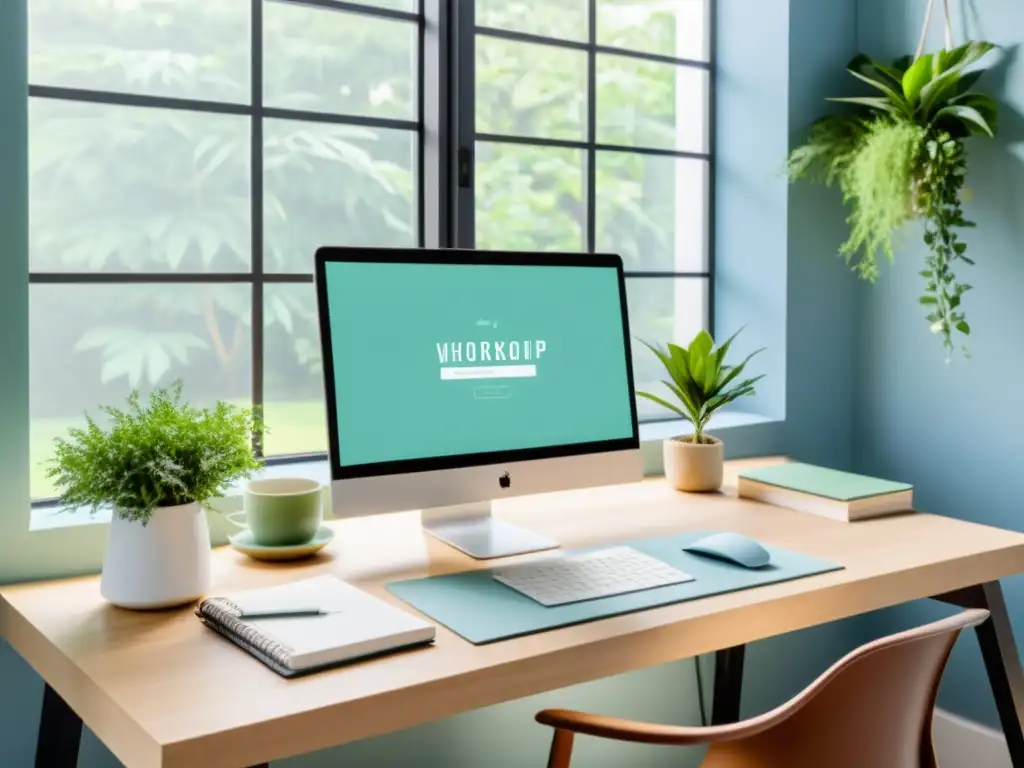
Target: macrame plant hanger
(927, 22)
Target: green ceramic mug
(282, 511)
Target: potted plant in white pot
(155, 465)
(702, 382)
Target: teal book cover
(821, 481)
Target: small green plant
(701, 380)
(900, 156)
(159, 454)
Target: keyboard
(588, 576)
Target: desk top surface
(162, 690)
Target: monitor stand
(472, 529)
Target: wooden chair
(871, 709)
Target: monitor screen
(475, 362)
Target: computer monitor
(454, 378)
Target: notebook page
(354, 620)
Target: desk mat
(483, 610)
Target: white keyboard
(588, 576)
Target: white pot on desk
(161, 564)
(694, 466)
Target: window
(187, 157)
(593, 133)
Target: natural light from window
(184, 169)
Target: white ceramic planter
(158, 565)
(694, 467)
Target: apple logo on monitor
(505, 481)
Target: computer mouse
(731, 547)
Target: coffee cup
(281, 511)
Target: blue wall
(820, 366)
(751, 196)
(956, 431)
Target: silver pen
(282, 613)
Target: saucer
(244, 543)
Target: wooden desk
(161, 690)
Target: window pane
(649, 104)
(530, 90)
(529, 198)
(652, 211)
(91, 345)
(330, 184)
(327, 60)
(677, 28)
(137, 189)
(293, 386)
(661, 310)
(194, 49)
(562, 19)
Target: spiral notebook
(351, 625)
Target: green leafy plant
(159, 454)
(701, 380)
(899, 155)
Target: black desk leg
(725, 703)
(1002, 662)
(60, 733)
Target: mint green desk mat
(483, 610)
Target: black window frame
(466, 137)
(444, 125)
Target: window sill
(48, 518)
(651, 435)
(654, 431)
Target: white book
(344, 623)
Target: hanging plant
(900, 156)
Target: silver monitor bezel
(363, 489)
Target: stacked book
(827, 492)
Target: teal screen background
(386, 319)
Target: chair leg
(561, 749)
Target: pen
(284, 613)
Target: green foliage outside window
(145, 190)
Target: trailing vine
(944, 167)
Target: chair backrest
(872, 709)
